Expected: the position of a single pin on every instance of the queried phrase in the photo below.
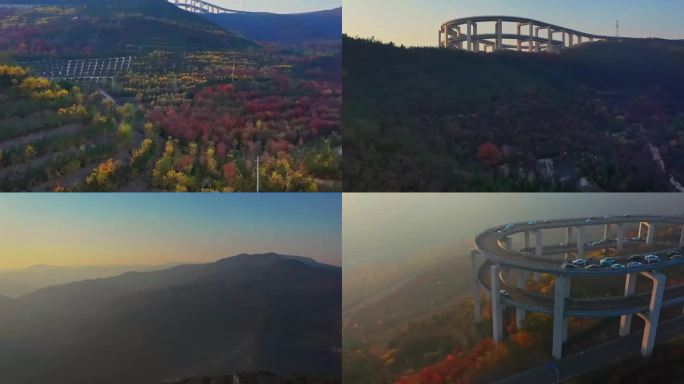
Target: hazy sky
(112, 229)
(416, 22)
(279, 6)
(386, 227)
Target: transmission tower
(617, 28)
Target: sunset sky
(416, 22)
(279, 6)
(137, 229)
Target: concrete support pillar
(530, 46)
(579, 39)
(475, 284)
(620, 236)
(520, 312)
(648, 341)
(572, 40)
(497, 308)
(439, 39)
(459, 34)
(476, 41)
(499, 35)
(469, 36)
(568, 235)
(558, 317)
(641, 232)
(606, 229)
(630, 288)
(681, 238)
(564, 39)
(580, 242)
(527, 238)
(508, 241)
(567, 287)
(550, 40)
(518, 30)
(539, 240)
(536, 42)
(650, 236)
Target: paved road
(594, 358)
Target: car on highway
(676, 257)
(588, 220)
(617, 266)
(635, 238)
(674, 253)
(607, 217)
(531, 222)
(579, 262)
(634, 264)
(570, 266)
(607, 262)
(563, 244)
(504, 292)
(651, 259)
(593, 266)
(635, 258)
(627, 216)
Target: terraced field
(196, 121)
(57, 137)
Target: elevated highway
(201, 6)
(506, 270)
(511, 33)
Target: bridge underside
(510, 33)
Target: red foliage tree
(489, 154)
(229, 171)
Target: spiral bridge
(511, 259)
(499, 33)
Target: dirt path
(657, 158)
(22, 141)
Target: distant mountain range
(247, 312)
(288, 29)
(92, 27)
(17, 282)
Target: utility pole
(617, 28)
(232, 76)
(257, 174)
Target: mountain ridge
(323, 26)
(268, 312)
